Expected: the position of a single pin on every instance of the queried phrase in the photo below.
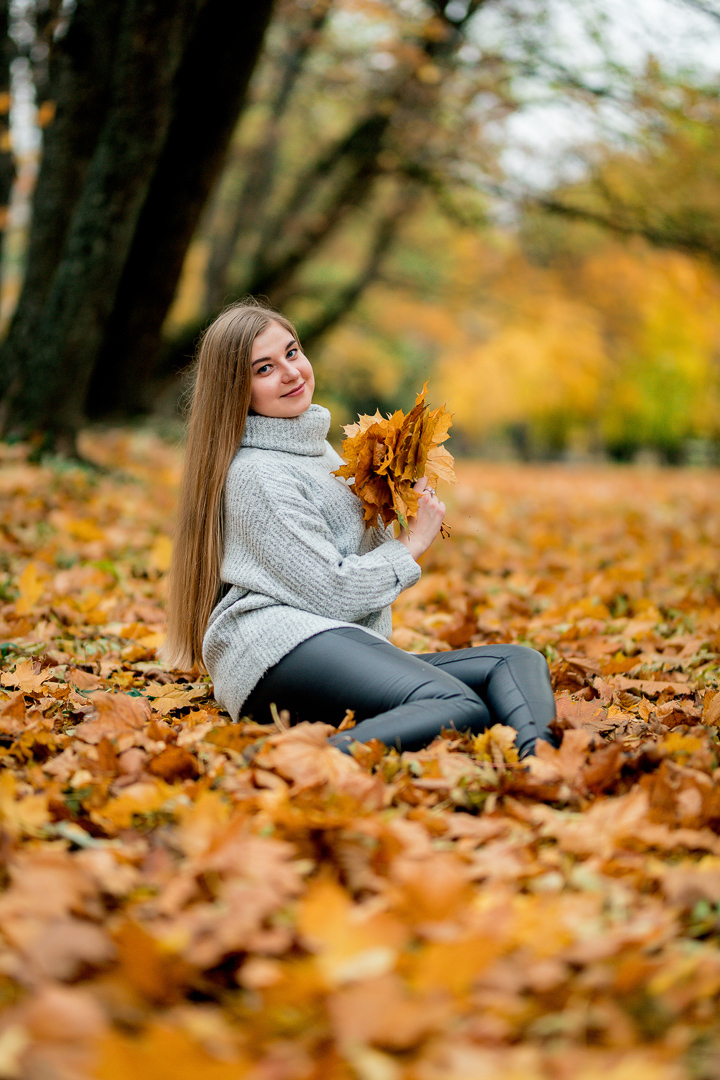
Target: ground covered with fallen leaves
(186, 898)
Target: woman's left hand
(423, 529)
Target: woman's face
(282, 378)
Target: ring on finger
(429, 491)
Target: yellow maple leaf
(30, 587)
(497, 745)
(24, 816)
(170, 696)
(351, 942)
(27, 676)
(137, 800)
(164, 1051)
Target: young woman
(282, 592)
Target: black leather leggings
(405, 700)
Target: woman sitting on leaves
(278, 587)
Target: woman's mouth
(294, 393)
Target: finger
(421, 484)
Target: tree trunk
(79, 77)
(247, 206)
(333, 185)
(7, 160)
(208, 94)
(99, 234)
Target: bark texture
(146, 93)
(224, 47)
(80, 70)
(7, 160)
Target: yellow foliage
(30, 587)
(550, 360)
(161, 554)
(618, 345)
(138, 800)
(21, 816)
(167, 1052)
(350, 943)
(497, 745)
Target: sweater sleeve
(278, 543)
(376, 535)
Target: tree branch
(346, 299)
(705, 8)
(360, 147)
(673, 238)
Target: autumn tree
(664, 186)
(313, 197)
(359, 114)
(145, 96)
(557, 338)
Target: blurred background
(518, 200)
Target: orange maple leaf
(386, 456)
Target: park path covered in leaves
(186, 898)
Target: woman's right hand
(423, 529)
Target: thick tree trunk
(208, 94)
(57, 371)
(147, 94)
(7, 160)
(80, 75)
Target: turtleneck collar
(304, 434)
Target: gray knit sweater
(298, 558)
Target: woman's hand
(423, 529)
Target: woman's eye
(262, 370)
(291, 353)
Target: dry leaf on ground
(185, 897)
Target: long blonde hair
(220, 405)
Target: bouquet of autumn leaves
(386, 456)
